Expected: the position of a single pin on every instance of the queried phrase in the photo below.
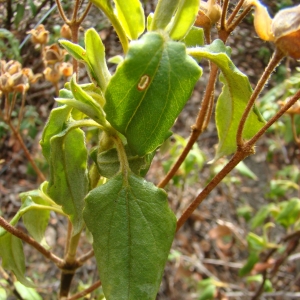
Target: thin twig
(275, 60)
(86, 291)
(61, 12)
(197, 128)
(26, 238)
(80, 20)
(82, 259)
(224, 13)
(235, 12)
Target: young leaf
(184, 18)
(233, 99)
(261, 215)
(149, 89)
(131, 15)
(195, 37)
(95, 57)
(109, 165)
(55, 124)
(84, 102)
(163, 14)
(290, 213)
(75, 50)
(253, 258)
(68, 184)
(27, 293)
(133, 229)
(11, 252)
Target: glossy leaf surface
(184, 18)
(131, 15)
(149, 90)
(233, 99)
(133, 229)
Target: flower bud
(293, 110)
(52, 74)
(208, 14)
(65, 32)
(54, 54)
(286, 29)
(66, 69)
(39, 35)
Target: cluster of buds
(283, 29)
(55, 66)
(209, 14)
(14, 78)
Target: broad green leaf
(131, 15)
(149, 90)
(163, 13)
(33, 7)
(109, 165)
(3, 295)
(68, 184)
(95, 55)
(56, 123)
(253, 258)
(233, 99)
(256, 243)
(290, 213)
(84, 102)
(195, 37)
(27, 293)
(208, 293)
(20, 14)
(74, 49)
(133, 229)
(184, 18)
(11, 252)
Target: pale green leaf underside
(133, 229)
(131, 15)
(233, 99)
(11, 252)
(149, 89)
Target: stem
(61, 12)
(283, 109)
(201, 121)
(276, 58)
(224, 13)
(26, 238)
(80, 20)
(75, 11)
(124, 165)
(86, 291)
(21, 112)
(235, 12)
(237, 157)
(27, 154)
(82, 259)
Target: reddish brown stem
(85, 292)
(275, 60)
(237, 157)
(198, 127)
(235, 12)
(27, 154)
(26, 238)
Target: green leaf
(68, 184)
(261, 215)
(27, 293)
(163, 13)
(95, 58)
(208, 292)
(56, 123)
(133, 229)
(85, 103)
(195, 37)
(255, 242)
(36, 220)
(290, 213)
(245, 171)
(149, 89)
(109, 165)
(131, 15)
(3, 295)
(253, 258)
(75, 50)
(32, 7)
(233, 99)
(11, 252)
(184, 18)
